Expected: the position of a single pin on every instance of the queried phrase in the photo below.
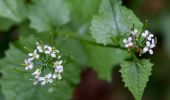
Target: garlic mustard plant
(45, 63)
(145, 41)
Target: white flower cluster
(45, 55)
(150, 42)
(129, 41)
(146, 36)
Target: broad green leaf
(83, 10)
(48, 15)
(1, 95)
(13, 9)
(5, 24)
(113, 20)
(73, 47)
(136, 75)
(15, 81)
(102, 59)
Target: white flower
(36, 80)
(49, 50)
(149, 46)
(36, 73)
(57, 76)
(46, 79)
(39, 47)
(128, 42)
(59, 57)
(133, 32)
(34, 55)
(150, 36)
(58, 67)
(145, 34)
(29, 64)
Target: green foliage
(102, 59)
(136, 75)
(113, 21)
(13, 9)
(5, 24)
(48, 16)
(16, 80)
(110, 26)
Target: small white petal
(54, 76)
(151, 35)
(143, 35)
(49, 76)
(41, 78)
(124, 40)
(46, 46)
(37, 56)
(35, 51)
(50, 80)
(30, 54)
(47, 52)
(152, 46)
(126, 45)
(130, 44)
(151, 51)
(146, 32)
(135, 30)
(53, 55)
(145, 49)
(130, 39)
(59, 57)
(26, 68)
(57, 51)
(30, 66)
(37, 43)
(148, 43)
(149, 38)
(35, 82)
(43, 82)
(60, 62)
(39, 48)
(49, 48)
(59, 76)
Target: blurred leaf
(13, 9)
(83, 10)
(5, 24)
(102, 59)
(113, 20)
(15, 81)
(48, 15)
(1, 95)
(136, 75)
(73, 47)
(164, 27)
(25, 30)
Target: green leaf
(15, 81)
(102, 59)
(80, 12)
(136, 75)
(5, 24)
(73, 47)
(113, 20)
(48, 15)
(13, 9)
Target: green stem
(89, 40)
